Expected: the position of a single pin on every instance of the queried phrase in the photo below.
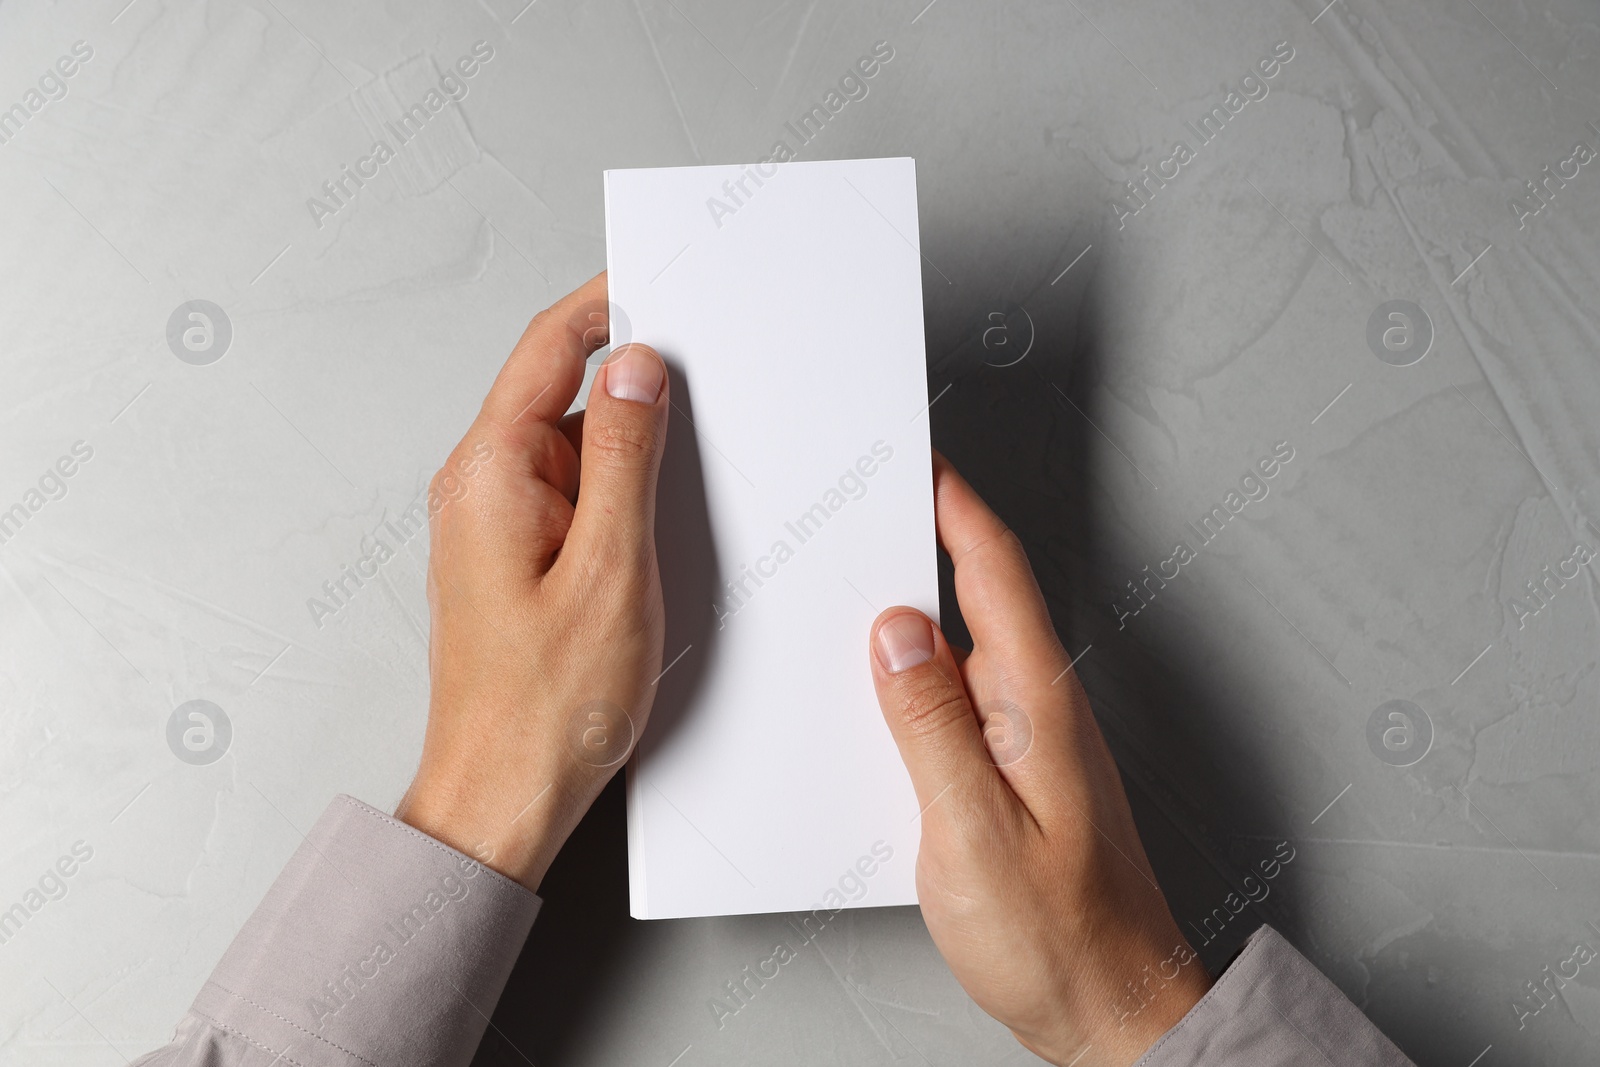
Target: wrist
(515, 836)
(1120, 1015)
(1145, 1006)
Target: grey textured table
(1379, 258)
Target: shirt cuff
(1271, 1007)
(376, 946)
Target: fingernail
(904, 642)
(635, 374)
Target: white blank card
(796, 502)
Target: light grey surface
(1179, 349)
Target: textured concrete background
(1105, 377)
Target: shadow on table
(1172, 695)
(557, 990)
(1027, 434)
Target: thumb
(927, 707)
(624, 428)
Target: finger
(1000, 600)
(539, 381)
(1036, 721)
(927, 708)
(624, 428)
(542, 375)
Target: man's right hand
(1031, 876)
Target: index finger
(545, 369)
(1000, 600)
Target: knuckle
(543, 320)
(445, 486)
(1011, 543)
(1008, 549)
(930, 705)
(622, 441)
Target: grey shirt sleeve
(376, 947)
(1272, 1008)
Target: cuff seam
(289, 1022)
(242, 1036)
